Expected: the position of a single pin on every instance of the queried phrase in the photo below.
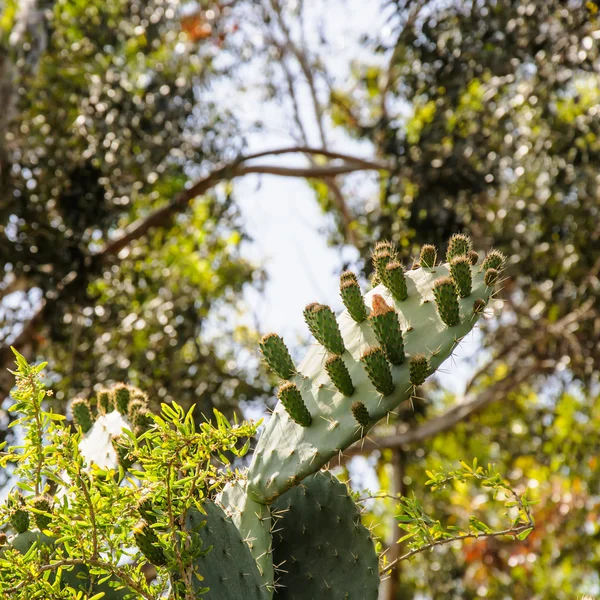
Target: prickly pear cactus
(229, 569)
(320, 544)
(416, 319)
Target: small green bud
(19, 519)
(135, 407)
(82, 414)
(428, 256)
(446, 300)
(348, 276)
(478, 306)
(381, 259)
(361, 414)
(378, 370)
(292, 401)
(123, 458)
(122, 395)
(473, 257)
(42, 503)
(104, 402)
(339, 374)
(491, 277)
(460, 269)
(323, 325)
(395, 281)
(353, 299)
(459, 245)
(277, 356)
(493, 260)
(142, 421)
(387, 330)
(3, 539)
(148, 543)
(419, 369)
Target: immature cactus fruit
(291, 398)
(378, 370)
(339, 374)
(491, 277)
(134, 408)
(361, 414)
(459, 245)
(3, 539)
(387, 330)
(44, 504)
(383, 254)
(473, 257)
(348, 276)
(493, 260)
(460, 269)
(104, 402)
(145, 509)
(446, 301)
(277, 356)
(419, 369)
(82, 414)
(19, 519)
(122, 395)
(478, 306)
(147, 542)
(123, 458)
(324, 327)
(352, 298)
(428, 256)
(395, 280)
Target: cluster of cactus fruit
(285, 511)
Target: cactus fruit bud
(460, 269)
(82, 414)
(494, 260)
(428, 256)
(387, 330)
(19, 519)
(42, 503)
(478, 306)
(291, 398)
(145, 509)
(446, 300)
(459, 245)
(473, 257)
(361, 414)
(338, 372)
(147, 542)
(277, 356)
(122, 395)
(348, 276)
(353, 300)
(395, 280)
(3, 539)
(323, 325)
(419, 369)
(491, 277)
(123, 458)
(383, 254)
(141, 420)
(104, 402)
(386, 246)
(378, 370)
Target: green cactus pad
(419, 369)
(147, 542)
(82, 414)
(324, 550)
(44, 504)
(122, 395)
(19, 519)
(473, 257)
(428, 256)
(378, 370)
(104, 402)
(361, 414)
(324, 327)
(253, 521)
(340, 377)
(228, 570)
(286, 452)
(277, 356)
(460, 269)
(459, 245)
(353, 300)
(446, 300)
(289, 395)
(386, 327)
(494, 260)
(491, 277)
(22, 542)
(395, 281)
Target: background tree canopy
(123, 245)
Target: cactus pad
(460, 269)
(324, 551)
(229, 569)
(277, 356)
(340, 376)
(428, 256)
(287, 452)
(387, 330)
